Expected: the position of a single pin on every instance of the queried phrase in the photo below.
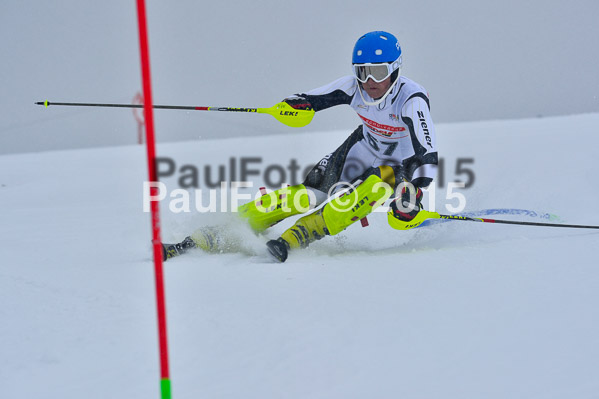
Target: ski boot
(208, 239)
(333, 218)
(306, 230)
(172, 250)
(278, 249)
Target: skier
(392, 151)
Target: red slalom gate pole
(165, 384)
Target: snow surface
(453, 310)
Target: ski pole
(435, 215)
(282, 111)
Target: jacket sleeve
(421, 168)
(338, 92)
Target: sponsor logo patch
(381, 130)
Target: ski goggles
(378, 72)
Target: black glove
(409, 202)
(297, 102)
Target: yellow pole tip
(46, 103)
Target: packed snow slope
(452, 310)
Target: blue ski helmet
(377, 56)
(377, 47)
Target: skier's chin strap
(380, 100)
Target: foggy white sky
(478, 60)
